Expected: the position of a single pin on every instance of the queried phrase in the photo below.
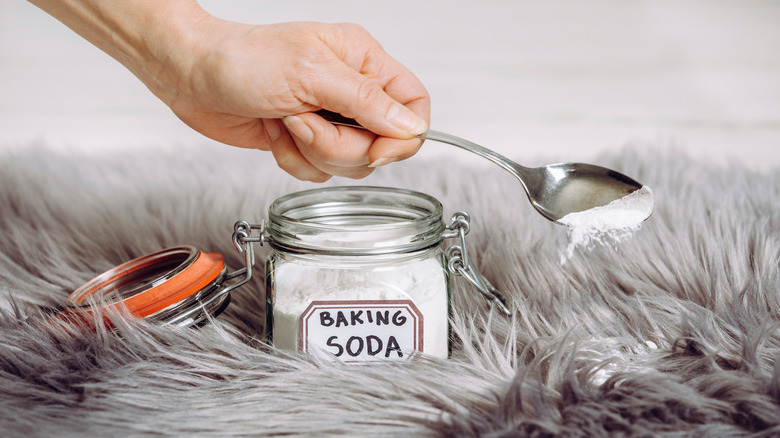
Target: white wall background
(562, 79)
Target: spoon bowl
(557, 190)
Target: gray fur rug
(674, 332)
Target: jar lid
(177, 285)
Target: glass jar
(354, 273)
(358, 273)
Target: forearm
(154, 39)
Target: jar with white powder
(359, 273)
(354, 273)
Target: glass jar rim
(355, 220)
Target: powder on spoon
(611, 223)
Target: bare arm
(256, 86)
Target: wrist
(169, 43)
(154, 39)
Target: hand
(256, 87)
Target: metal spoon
(555, 190)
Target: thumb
(364, 99)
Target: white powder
(608, 224)
(421, 280)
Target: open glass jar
(354, 273)
(358, 273)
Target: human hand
(257, 87)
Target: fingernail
(382, 161)
(298, 128)
(405, 120)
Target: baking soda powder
(608, 224)
(358, 313)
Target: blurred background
(535, 80)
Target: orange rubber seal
(153, 282)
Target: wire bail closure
(459, 262)
(242, 241)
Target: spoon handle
(442, 137)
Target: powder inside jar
(420, 280)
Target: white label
(361, 331)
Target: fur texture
(674, 332)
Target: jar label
(362, 331)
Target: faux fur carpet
(674, 332)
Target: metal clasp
(459, 262)
(242, 240)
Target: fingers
(387, 150)
(289, 158)
(337, 67)
(339, 151)
(366, 101)
(366, 84)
